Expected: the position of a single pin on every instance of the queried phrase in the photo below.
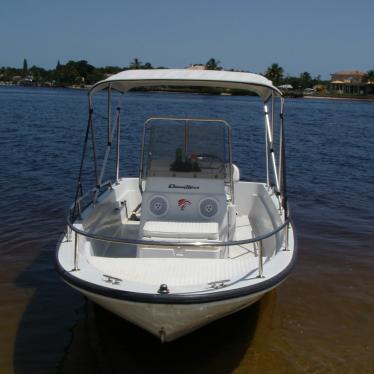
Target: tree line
(73, 73)
(76, 73)
(81, 73)
(276, 74)
(305, 80)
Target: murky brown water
(321, 320)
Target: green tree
(135, 64)
(83, 68)
(111, 69)
(213, 64)
(95, 76)
(275, 73)
(306, 80)
(24, 69)
(369, 77)
(147, 65)
(39, 74)
(67, 74)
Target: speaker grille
(208, 207)
(158, 206)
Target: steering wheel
(210, 159)
(201, 156)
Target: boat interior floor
(119, 260)
(130, 230)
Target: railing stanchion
(260, 267)
(76, 252)
(286, 237)
(68, 233)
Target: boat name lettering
(185, 187)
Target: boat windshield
(186, 148)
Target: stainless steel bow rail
(112, 239)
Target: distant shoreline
(209, 92)
(338, 98)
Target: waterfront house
(196, 67)
(348, 82)
(285, 87)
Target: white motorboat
(187, 241)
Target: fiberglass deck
(118, 260)
(130, 230)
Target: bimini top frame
(129, 79)
(126, 80)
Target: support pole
(93, 138)
(118, 143)
(283, 163)
(271, 145)
(79, 182)
(103, 167)
(109, 111)
(281, 155)
(231, 172)
(186, 138)
(272, 115)
(267, 156)
(141, 168)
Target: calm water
(320, 320)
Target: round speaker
(208, 207)
(158, 205)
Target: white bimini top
(129, 79)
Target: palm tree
(213, 64)
(274, 73)
(369, 77)
(147, 65)
(135, 64)
(306, 80)
(24, 69)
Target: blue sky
(315, 36)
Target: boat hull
(171, 321)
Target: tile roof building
(348, 82)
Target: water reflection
(110, 344)
(57, 321)
(44, 330)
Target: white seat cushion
(187, 230)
